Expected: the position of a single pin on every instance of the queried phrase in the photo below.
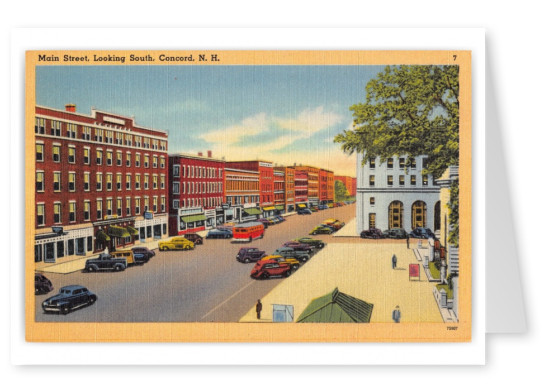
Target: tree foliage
(341, 193)
(453, 205)
(409, 110)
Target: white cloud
(310, 121)
(250, 126)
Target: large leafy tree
(410, 110)
(341, 193)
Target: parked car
(176, 243)
(332, 228)
(280, 218)
(321, 230)
(314, 208)
(274, 220)
(311, 241)
(106, 262)
(395, 233)
(300, 246)
(42, 284)
(304, 211)
(143, 252)
(266, 268)
(323, 207)
(219, 234)
(334, 223)
(68, 299)
(129, 255)
(265, 222)
(250, 254)
(292, 253)
(372, 233)
(422, 233)
(196, 239)
(292, 262)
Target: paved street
(203, 285)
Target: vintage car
(422, 233)
(196, 239)
(280, 218)
(250, 254)
(292, 253)
(274, 220)
(372, 233)
(266, 268)
(106, 262)
(219, 234)
(323, 207)
(304, 211)
(264, 221)
(395, 233)
(314, 208)
(143, 253)
(300, 246)
(292, 262)
(68, 299)
(176, 243)
(334, 223)
(311, 241)
(42, 284)
(321, 229)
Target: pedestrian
(396, 315)
(394, 261)
(407, 240)
(258, 309)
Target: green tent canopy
(118, 232)
(336, 307)
(193, 218)
(102, 236)
(252, 211)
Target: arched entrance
(437, 216)
(395, 214)
(418, 214)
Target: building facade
(196, 192)
(313, 184)
(289, 189)
(326, 186)
(279, 190)
(100, 182)
(242, 195)
(301, 189)
(349, 182)
(266, 182)
(391, 195)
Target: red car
(266, 268)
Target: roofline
(190, 156)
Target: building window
(146, 161)
(176, 170)
(155, 181)
(155, 204)
(371, 200)
(163, 203)
(413, 164)
(109, 158)
(402, 163)
(413, 180)
(39, 152)
(418, 214)
(390, 180)
(86, 133)
(146, 181)
(39, 125)
(57, 213)
(137, 160)
(162, 162)
(425, 180)
(86, 155)
(372, 180)
(99, 157)
(395, 214)
(57, 181)
(86, 211)
(99, 181)
(72, 211)
(390, 163)
(128, 159)
(109, 211)
(137, 180)
(39, 181)
(128, 206)
(401, 180)
(56, 153)
(119, 158)
(119, 181)
(72, 180)
(137, 205)
(119, 207)
(371, 162)
(72, 130)
(176, 188)
(99, 135)
(99, 209)
(128, 181)
(56, 128)
(86, 181)
(40, 219)
(155, 161)
(162, 181)
(372, 220)
(109, 182)
(146, 204)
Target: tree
(341, 193)
(410, 110)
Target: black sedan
(69, 298)
(372, 233)
(219, 234)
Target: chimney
(71, 107)
(209, 153)
(199, 153)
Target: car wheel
(304, 259)
(265, 275)
(247, 260)
(90, 269)
(250, 238)
(118, 268)
(295, 267)
(36, 290)
(321, 245)
(92, 300)
(65, 310)
(287, 273)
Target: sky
(283, 114)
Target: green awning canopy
(336, 307)
(280, 207)
(132, 231)
(252, 211)
(192, 219)
(102, 236)
(118, 232)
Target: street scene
(243, 214)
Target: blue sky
(286, 114)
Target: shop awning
(252, 211)
(102, 237)
(118, 232)
(336, 307)
(268, 208)
(301, 205)
(193, 218)
(132, 231)
(280, 207)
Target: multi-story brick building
(330, 187)
(313, 184)
(279, 189)
(326, 186)
(196, 192)
(290, 189)
(242, 195)
(266, 182)
(100, 181)
(301, 189)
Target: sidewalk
(362, 270)
(349, 230)
(78, 264)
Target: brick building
(100, 181)
(196, 192)
(313, 184)
(266, 182)
(290, 189)
(301, 189)
(242, 195)
(349, 183)
(279, 189)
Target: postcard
(248, 196)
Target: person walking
(258, 309)
(407, 241)
(394, 261)
(396, 314)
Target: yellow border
(254, 332)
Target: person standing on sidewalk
(394, 261)
(407, 241)
(396, 314)
(258, 309)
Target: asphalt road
(203, 285)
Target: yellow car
(292, 262)
(176, 243)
